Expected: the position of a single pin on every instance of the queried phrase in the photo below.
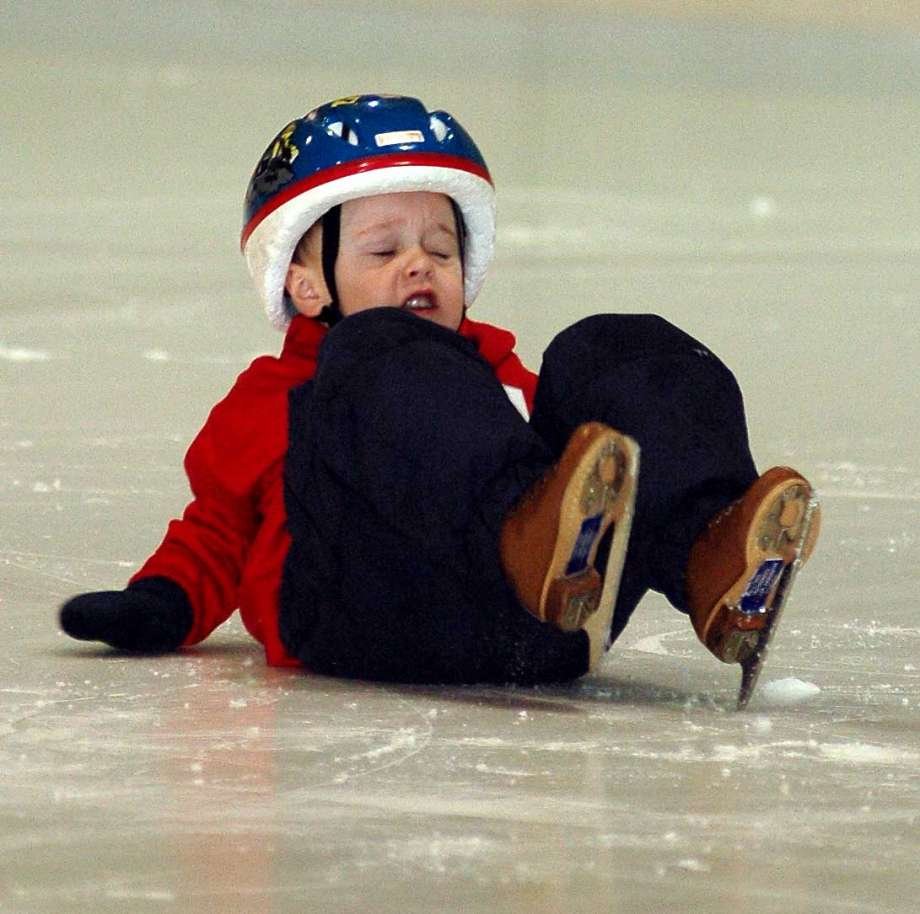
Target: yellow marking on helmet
(282, 147)
(347, 100)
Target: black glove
(152, 615)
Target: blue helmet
(354, 147)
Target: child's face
(401, 250)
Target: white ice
(789, 691)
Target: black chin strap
(332, 223)
(461, 232)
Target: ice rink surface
(753, 180)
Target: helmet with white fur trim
(355, 147)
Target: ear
(307, 289)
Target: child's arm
(187, 587)
(190, 585)
(204, 551)
(185, 590)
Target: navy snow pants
(405, 454)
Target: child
(375, 500)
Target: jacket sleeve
(204, 552)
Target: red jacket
(228, 549)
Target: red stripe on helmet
(393, 160)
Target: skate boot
(549, 540)
(742, 567)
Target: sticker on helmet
(275, 167)
(346, 100)
(399, 136)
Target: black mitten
(152, 615)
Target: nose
(418, 262)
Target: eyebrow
(375, 227)
(389, 223)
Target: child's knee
(377, 332)
(604, 338)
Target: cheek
(457, 287)
(359, 288)
(453, 313)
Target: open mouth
(423, 300)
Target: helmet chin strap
(461, 232)
(332, 225)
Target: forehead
(410, 206)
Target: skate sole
(752, 664)
(777, 534)
(600, 494)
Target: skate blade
(598, 625)
(756, 644)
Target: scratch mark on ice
(19, 354)
(80, 560)
(652, 644)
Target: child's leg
(405, 454)
(643, 376)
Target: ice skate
(742, 568)
(549, 541)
